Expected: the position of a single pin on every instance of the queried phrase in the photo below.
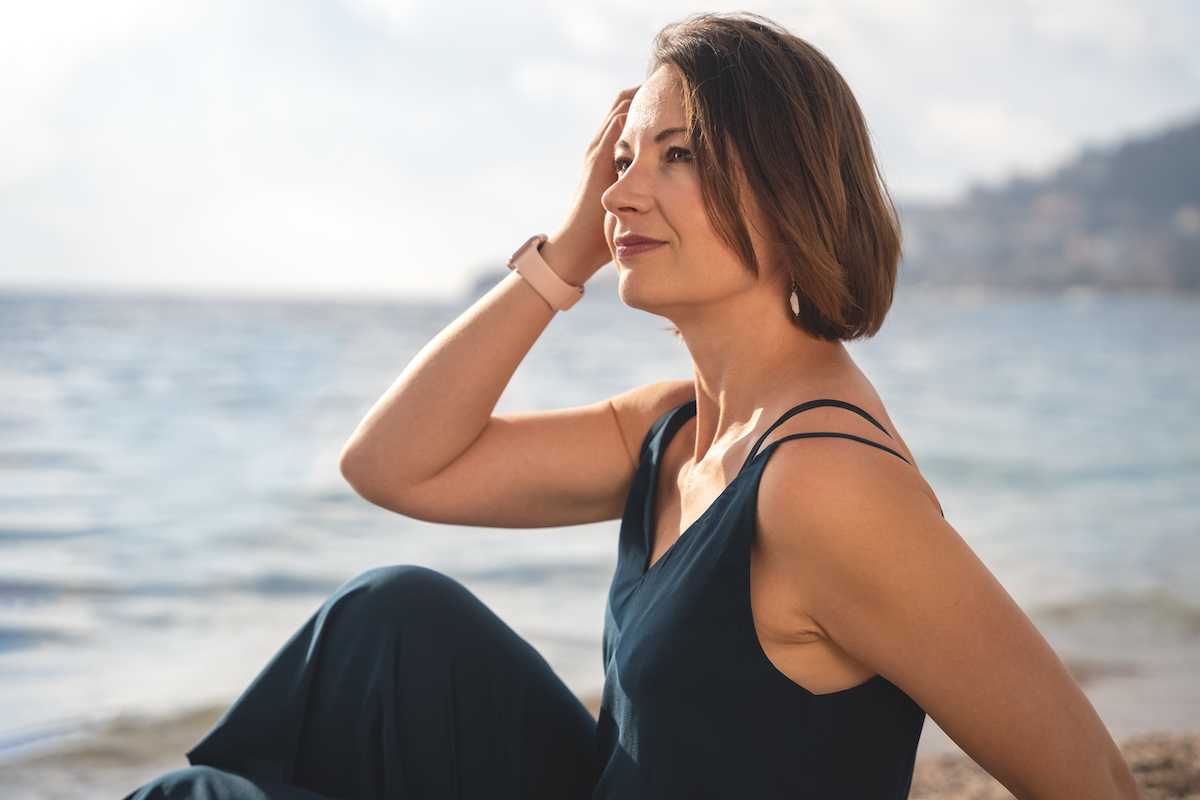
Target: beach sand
(111, 761)
(107, 762)
(1165, 766)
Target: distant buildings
(1121, 219)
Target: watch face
(534, 241)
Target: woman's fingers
(616, 115)
(606, 137)
(623, 98)
(579, 248)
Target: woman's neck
(750, 361)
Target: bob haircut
(767, 111)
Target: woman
(789, 601)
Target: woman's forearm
(444, 399)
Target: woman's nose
(625, 195)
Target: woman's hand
(579, 248)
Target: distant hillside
(1114, 219)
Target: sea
(171, 509)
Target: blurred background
(226, 227)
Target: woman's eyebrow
(666, 132)
(658, 137)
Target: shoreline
(111, 760)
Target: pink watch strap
(530, 265)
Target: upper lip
(627, 239)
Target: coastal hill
(1119, 218)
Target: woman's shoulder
(638, 409)
(852, 527)
(830, 492)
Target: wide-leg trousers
(403, 685)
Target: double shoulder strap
(824, 434)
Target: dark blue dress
(692, 705)
(405, 686)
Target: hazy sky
(397, 147)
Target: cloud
(42, 45)
(1122, 27)
(394, 15)
(585, 27)
(988, 138)
(296, 236)
(559, 83)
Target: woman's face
(668, 255)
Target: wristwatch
(530, 265)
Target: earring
(795, 298)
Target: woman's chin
(628, 298)
(633, 293)
(666, 304)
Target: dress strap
(811, 404)
(850, 436)
(853, 438)
(674, 420)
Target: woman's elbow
(362, 470)
(377, 476)
(350, 464)
(1124, 785)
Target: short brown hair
(765, 104)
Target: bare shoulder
(834, 487)
(637, 409)
(868, 557)
(861, 534)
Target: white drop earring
(795, 298)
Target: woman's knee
(401, 586)
(209, 783)
(404, 596)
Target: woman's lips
(635, 245)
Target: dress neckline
(677, 417)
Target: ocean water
(171, 510)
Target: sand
(1165, 766)
(107, 762)
(111, 761)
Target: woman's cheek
(610, 230)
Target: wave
(271, 583)
(1160, 608)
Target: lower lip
(626, 250)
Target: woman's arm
(431, 448)
(895, 587)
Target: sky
(387, 148)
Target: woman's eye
(620, 165)
(679, 155)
